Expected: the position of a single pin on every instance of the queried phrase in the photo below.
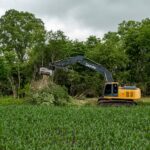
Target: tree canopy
(25, 45)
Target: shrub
(50, 95)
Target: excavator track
(116, 102)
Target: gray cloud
(106, 14)
(94, 15)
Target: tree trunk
(13, 86)
(19, 81)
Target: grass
(8, 100)
(145, 99)
(43, 128)
(87, 101)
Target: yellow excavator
(113, 94)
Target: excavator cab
(119, 95)
(111, 89)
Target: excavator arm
(81, 60)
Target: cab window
(108, 89)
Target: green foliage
(78, 48)
(25, 46)
(51, 95)
(10, 101)
(74, 128)
(135, 38)
(42, 97)
(109, 53)
(20, 32)
(57, 47)
(136, 44)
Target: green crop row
(44, 128)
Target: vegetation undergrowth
(8, 100)
(48, 94)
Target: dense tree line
(25, 46)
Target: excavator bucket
(46, 71)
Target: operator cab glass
(111, 89)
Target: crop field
(26, 127)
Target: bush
(51, 95)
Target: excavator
(113, 94)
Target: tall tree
(136, 44)
(135, 37)
(20, 32)
(109, 53)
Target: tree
(78, 48)
(92, 41)
(57, 46)
(135, 37)
(110, 54)
(20, 32)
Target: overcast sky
(81, 18)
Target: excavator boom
(85, 62)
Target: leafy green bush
(51, 95)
